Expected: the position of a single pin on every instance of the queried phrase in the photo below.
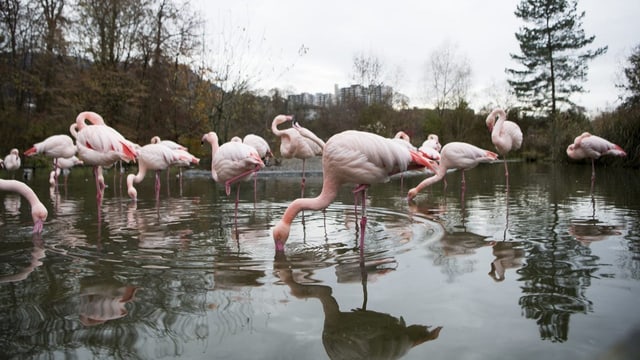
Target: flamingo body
(354, 157)
(258, 143)
(232, 161)
(455, 155)
(505, 135)
(587, 146)
(154, 157)
(39, 212)
(54, 146)
(293, 142)
(168, 143)
(12, 161)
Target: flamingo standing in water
(12, 161)
(455, 155)
(592, 147)
(264, 151)
(175, 146)
(505, 135)
(38, 210)
(100, 145)
(296, 142)
(232, 162)
(155, 157)
(354, 157)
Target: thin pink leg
(304, 180)
(157, 185)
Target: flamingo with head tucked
(38, 210)
(587, 146)
(355, 157)
(455, 155)
(12, 161)
(296, 142)
(505, 135)
(100, 145)
(232, 162)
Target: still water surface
(550, 270)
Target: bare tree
(447, 77)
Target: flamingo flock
(349, 157)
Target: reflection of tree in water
(555, 278)
(359, 333)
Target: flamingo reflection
(102, 302)
(508, 255)
(359, 333)
(590, 231)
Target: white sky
(402, 35)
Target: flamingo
(232, 162)
(184, 153)
(170, 144)
(296, 142)
(155, 157)
(263, 149)
(63, 165)
(431, 147)
(100, 145)
(505, 135)
(38, 210)
(55, 146)
(455, 155)
(355, 157)
(432, 142)
(12, 161)
(592, 147)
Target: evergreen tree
(632, 74)
(554, 65)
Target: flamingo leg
(235, 216)
(363, 220)
(157, 185)
(227, 184)
(255, 191)
(303, 180)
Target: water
(550, 270)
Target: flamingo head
(210, 137)
(281, 235)
(402, 136)
(39, 214)
(412, 194)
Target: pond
(549, 269)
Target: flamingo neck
(214, 151)
(326, 196)
(440, 170)
(274, 125)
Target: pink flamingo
(156, 157)
(354, 157)
(431, 147)
(505, 135)
(12, 161)
(38, 210)
(296, 142)
(100, 145)
(185, 153)
(168, 143)
(232, 162)
(264, 151)
(63, 165)
(455, 155)
(592, 147)
(260, 144)
(432, 142)
(55, 146)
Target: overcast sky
(308, 46)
